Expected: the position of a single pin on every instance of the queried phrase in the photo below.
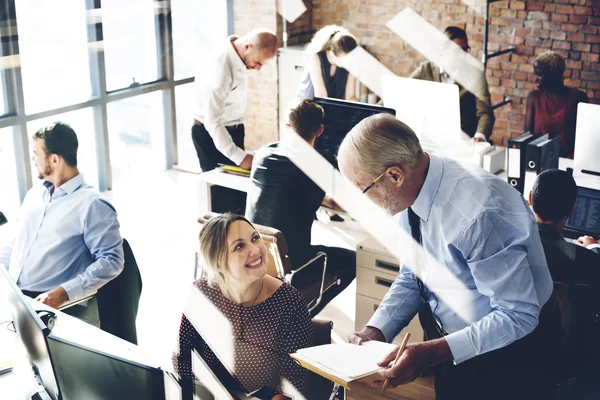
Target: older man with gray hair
(480, 229)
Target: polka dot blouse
(263, 337)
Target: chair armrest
(290, 276)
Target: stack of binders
(542, 154)
(517, 152)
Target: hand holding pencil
(400, 351)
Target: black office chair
(580, 310)
(118, 300)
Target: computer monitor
(69, 370)
(587, 140)
(430, 109)
(586, 217)
(340, 117)
(85, 373)
(32, 332)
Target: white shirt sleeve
(216, 89)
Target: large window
(82, 122)
(198, 26)
(53, 52)
(136, 134)
(185, 101)
(104, 67)
(3, 93)
(9, 194)
(130, 44)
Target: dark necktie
(428, 323)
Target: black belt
(200, 123)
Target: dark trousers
(525, 369)
(222, 199)
(341, 262)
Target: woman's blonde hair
(214, 248)
(332, 38)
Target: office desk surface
(20, 383)
(421, 388)
(231, 181)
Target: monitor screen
(586, 217)
(340, 117)
(587, 139)
(32, 332)
(84, 373)
(430, 109)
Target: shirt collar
(548, 230)
(424, 201)
(238, 64)
(68, 187)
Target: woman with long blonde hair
(264, 318)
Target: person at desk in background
(324, 75)
(267, 318)
(283, 197)
(553, 200)
(476, 114)
(67, 243)
(575, 269)
(552, 108)
(221, 90)
(474, 226)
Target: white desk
(20, 383)
(215, 177)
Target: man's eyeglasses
(374, 182)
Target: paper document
(348, 361)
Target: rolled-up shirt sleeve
(398, 307)
(102, 238)
(495, 250)
(218, 82)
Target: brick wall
(570, 27)
(301, 30)
(260, 119)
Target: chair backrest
(278, 261)
(322, 331)
(119, 299)
(580, 311)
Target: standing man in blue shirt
(504, 337)
(67, 243)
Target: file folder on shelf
(542, 154)
(517, 149)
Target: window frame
(17, 118)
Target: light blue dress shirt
(69, 238)
(481, 229)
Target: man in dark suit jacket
(575, 270)
(283, 197)
(476, 114)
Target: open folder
(230, 169)
(343, 363)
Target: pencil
(402, 347)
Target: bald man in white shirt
(221, 88)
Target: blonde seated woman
(249, 321)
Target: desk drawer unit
(374, 284)
(383, 263)
(365, 308)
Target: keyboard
(572, 233)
